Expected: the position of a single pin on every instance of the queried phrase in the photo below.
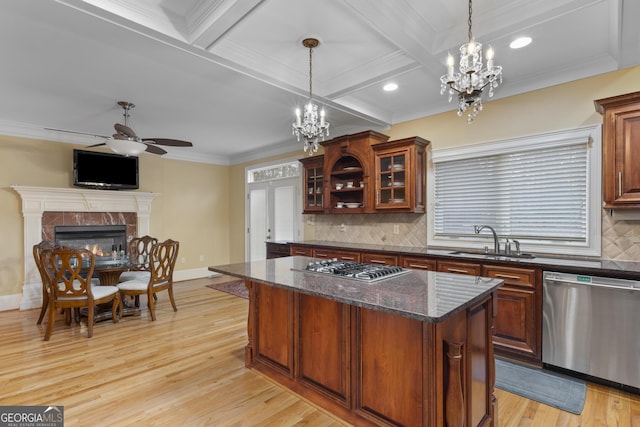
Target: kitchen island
(414, 349)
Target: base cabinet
(518, 324)
(374, 368)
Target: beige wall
(192, 206)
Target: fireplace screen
(102, 240)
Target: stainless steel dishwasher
(591, 325)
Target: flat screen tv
(104, 171)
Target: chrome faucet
(496, 242)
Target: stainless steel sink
(493, 254)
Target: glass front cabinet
(400, 175)
(313, 184)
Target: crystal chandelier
(308, 126)
(472, 79)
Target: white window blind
(537, 189)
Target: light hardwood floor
(187, 369)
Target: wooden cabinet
(400, 175)
(277, 250)
(347, 166)
(418, 263)
(620, 150)
(363, 173)
(381, 259)
(459, 267)
(518, 324)
(338, 254)
(313, 184)
(296, 250)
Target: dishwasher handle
(629, 287)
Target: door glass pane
(258, 223)
(284, 211)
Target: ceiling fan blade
(124, 130)
(96, 145)
(155, 150)
(78, 133)
(168, 142)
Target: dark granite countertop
(577, 265)
(422, 295)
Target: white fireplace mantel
(37, 200)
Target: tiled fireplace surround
(44, 208)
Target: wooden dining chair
(162, 260)
(38, 250)
(69, 272)
(139, 250)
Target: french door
(273, 214)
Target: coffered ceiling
(228, 74)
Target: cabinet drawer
(301, 251)
(418, 263)
(379, 259)
(513, 276)
(459, 267)
(332, 253)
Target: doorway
(273, 207)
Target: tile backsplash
(620, 239)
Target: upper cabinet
(313, 173)
(363, 173)
(400, 175)
(347, 165)
(620, 150)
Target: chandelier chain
(469, 21)
(310, 72)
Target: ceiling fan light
(125, 147)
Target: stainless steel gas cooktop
(354, 270)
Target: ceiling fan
(126, 142)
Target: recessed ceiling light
(520, 42)
(389, 87)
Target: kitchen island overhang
(414, 349)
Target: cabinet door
(379, 259)
(620, 150)
(469, 268)
(627, 157)
(393, 179)
(518, 324)
(418, 263)
(313, 188)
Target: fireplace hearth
(102, 240)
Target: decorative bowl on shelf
(339, 186)
(340, 205)
(352, 205)
(396, 166)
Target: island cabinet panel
(323, 346)
(391, 361)
(274, 338)
(518, 323)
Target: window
(542, 190)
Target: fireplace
(46, 207)
(105, 241)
